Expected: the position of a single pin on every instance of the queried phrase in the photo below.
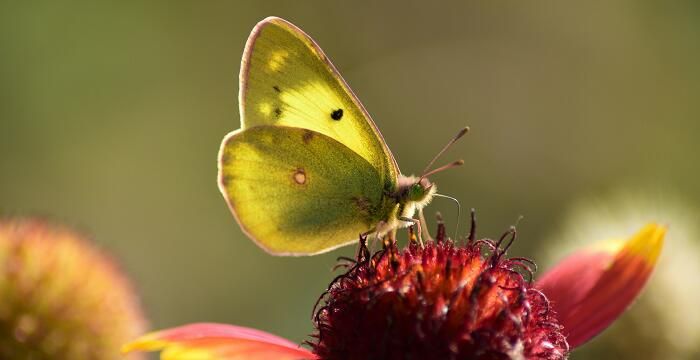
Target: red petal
(592, 287)
(208, 341)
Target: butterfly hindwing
(292, 201)
(286, 79)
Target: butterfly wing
(286, 79)
(298, 192)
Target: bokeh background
(111, 115)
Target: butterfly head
(420, 190)
(416, 191)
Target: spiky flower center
(440, 301)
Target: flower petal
(208, 341)
(591, 288)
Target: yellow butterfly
(308, 171)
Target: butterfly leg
(419, 228)
(372, 237)
(424, 224)
(374, 234)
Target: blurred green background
(111, 116)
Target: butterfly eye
(416, 192)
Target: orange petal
(207, 341)
(592, 287)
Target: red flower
(445, 301)
(591, 288)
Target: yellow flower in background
(446, 301)
(662, 324)
(60, 297)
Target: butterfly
(308, 171)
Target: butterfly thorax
(413, 194)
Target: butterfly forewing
(286, 79)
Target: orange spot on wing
(300, 176)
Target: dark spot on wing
(307, 136)
(225, 157)
(299, 176)
(278, 112)
(226, 179)
(277, 88)
(337, 114)
(363, 204)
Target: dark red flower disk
(440, 301)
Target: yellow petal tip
(148, 342)
(648, 242)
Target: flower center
(440, 301)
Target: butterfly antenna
(459, 211)
(442, 168)
(454, 139)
